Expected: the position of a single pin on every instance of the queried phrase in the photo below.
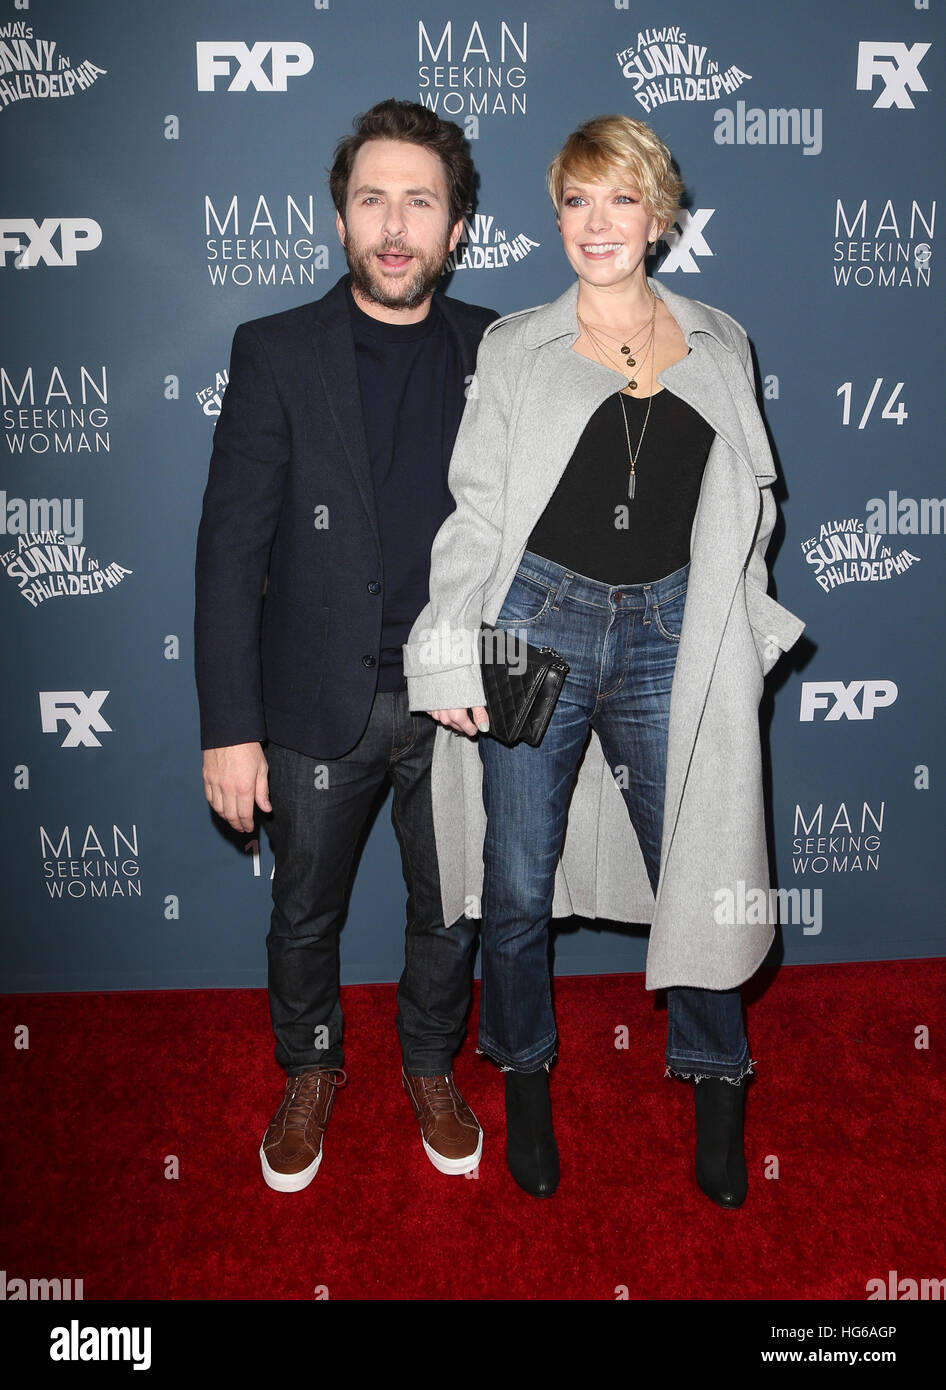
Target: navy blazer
(289, 509)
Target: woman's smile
(599, 251)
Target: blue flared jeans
(620, 642)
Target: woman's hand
(459, 719)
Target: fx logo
(816, 694)
(287, 60)
(32, 242)
(686, 240)
(81, 712)
(897, 66)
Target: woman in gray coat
(613, 501)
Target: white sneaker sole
(453, 1165)
(289, 1182)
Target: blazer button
(369, 661)
(374, 587)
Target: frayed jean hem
(698, 1076)
(525, 1065)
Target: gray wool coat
(527, 406)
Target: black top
(592, 526)
(411, 382)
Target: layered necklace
(633, 356)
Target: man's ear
(340, 227)
(456, 232)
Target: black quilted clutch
(521, 684)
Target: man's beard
(421, 279)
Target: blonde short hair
(619, 146)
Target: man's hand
(459, 720)
(235, 779)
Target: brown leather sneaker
(291, 1150)
(453, 1140)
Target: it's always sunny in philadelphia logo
(484, 245)
(664, 65)
(31, 67)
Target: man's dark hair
(408, 120)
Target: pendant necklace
(633, 457)
(632, 355)
(631, 361)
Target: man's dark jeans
(320, 806)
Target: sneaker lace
(438, 1093)
(307, 1092)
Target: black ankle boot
(720, 1160)
(531, 1151)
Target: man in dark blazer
(327, 485)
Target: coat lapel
(578, 386)
(711, 379)
(698, 380)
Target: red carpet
(113, 1084)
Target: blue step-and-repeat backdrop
(164, 178)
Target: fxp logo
(34, 243)
(686, 240)
(285, 60)
(839, 698)
(897, 66)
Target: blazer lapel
(337, 368)
(467, 342)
